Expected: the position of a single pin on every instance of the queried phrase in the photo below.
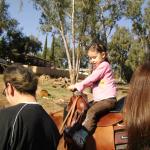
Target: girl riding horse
(104, 92)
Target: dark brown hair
(137, 109)
(98, 46)
(23, 79)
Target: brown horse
(109, 135)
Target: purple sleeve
(96, 75)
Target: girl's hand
(72, 88)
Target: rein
(69, 115)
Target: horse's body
(105, 136)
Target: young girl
(103, 88)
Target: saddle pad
(105, 138)
(110, 119)
(121, 137)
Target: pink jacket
(102, 82)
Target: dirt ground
(58, 96)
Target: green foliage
(147, 16)
(140, 25)
(52, 12)
(45, 50)
(133, 9)
(5, 21)
(57, 52)
(135, 55)
(3, 48)
(147, 30)
(14, 45)
(119, 48)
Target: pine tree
(44, 55)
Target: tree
(147, 30)
(78, 22)
(14, 45)
(52, 50)
(18, 45)
(108, 13)
(140, 23)
(3, 48)
(135, 55)
(57, 52)
(5, 21)
(119, 48)
(45, 50)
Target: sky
(28, 18)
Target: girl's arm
(96, 75)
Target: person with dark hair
(103, 86)
(25, 125)
(137, 109)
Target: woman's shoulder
(7, 115)
(10, 109)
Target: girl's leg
(89, 125)
(97, 110)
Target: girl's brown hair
(137, 109)
(97, 46)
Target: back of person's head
(137, 109)
(23, 79)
